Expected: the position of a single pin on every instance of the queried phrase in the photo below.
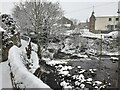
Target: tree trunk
(39, 51)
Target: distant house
(83, 25)
(66, 23)
(103, 23)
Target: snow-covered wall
(20, 72)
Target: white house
(103, 23)
(106, 23)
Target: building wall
(105, 24)
(92, 22)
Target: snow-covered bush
(8, 24)
(10, 35)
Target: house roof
(65, 20)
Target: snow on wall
(22, 75)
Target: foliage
(9, 25)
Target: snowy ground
(86, 33)
(5, 80)
(74, 76)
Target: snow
(88, 34)
(112, 53)
(114, 34)
(25, 43)
(68, 87)
(77, 83)
(114, 58)
(68, 25)
(66, 68)
(5, 80)
(22, 75)
(82, 71)
(35, 60)
(63, 70)
(2, 30)
(80, 55)
(79, 67)
(92, 35)
(79, 77)
(53, 62)
(97, 83)
(46, 59)
(82, 85)
(64, 83)
(116, 53)
(64, 73)
(89, 79)
(91, 70)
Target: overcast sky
(77, 9)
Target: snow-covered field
(86, 33)
(76, 77)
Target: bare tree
(38, 16)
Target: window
(116, 26)
(110, 27)
(110, 19)
(117, 19)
